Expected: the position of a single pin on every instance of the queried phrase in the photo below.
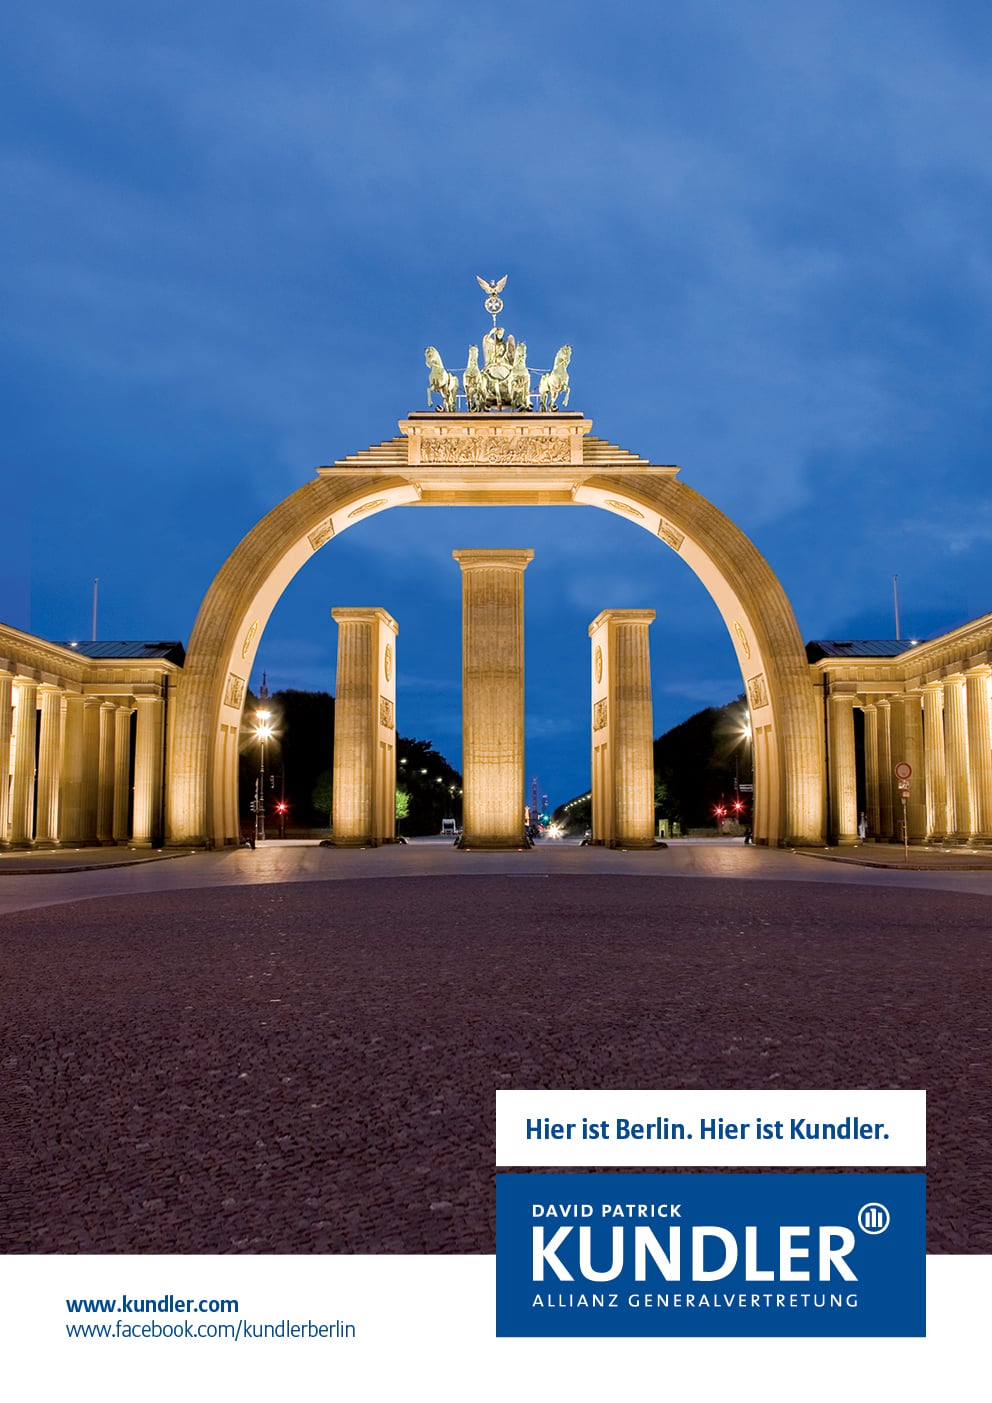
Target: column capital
(979, 670)
(482, 559)
(365, 616)
(622, 616)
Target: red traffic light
(281, 808)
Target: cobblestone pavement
(309, 1065)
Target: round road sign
(903, 771)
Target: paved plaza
(296, 1049)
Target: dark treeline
(698, 765)
(299, 759)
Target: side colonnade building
(924, 705)
(83, 736)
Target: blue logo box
(711, 1254)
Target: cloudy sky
(228, 232)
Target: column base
(489, 843)
(636, 844)
(45, 844)
(980, 840)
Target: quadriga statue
(555, 382)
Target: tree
(323, 793)
(433, 786)
(698, 763)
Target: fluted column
(843, 774)
(104, 776)
(907, 747)
(979, 752)
(886, 782)
(148, 760)
(622, 740)
(92, 712)
(22, 789)
(934, 762)
(6, 731)
(49, 765)
(122, 771)
(363, 798)
(956, 739)
(493, 696)
(72, 778)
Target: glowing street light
(263, 733)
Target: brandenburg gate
(493, 439)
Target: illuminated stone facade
(927, 705)
(82, 741)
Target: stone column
(907, 746)
(22, 789)
(6, 731)
(872, 794)
(105, 771)
(493, 696)
(49, 766)
(73, 774)
(886, 781)
(956, 737)
(122, 771)
(622, 740)
(363, 800)
(843, 773)
(92, 712)
(979, 752)
(934, 763)
(147, 821)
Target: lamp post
(263, 730)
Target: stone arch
(205, 723)
(787, 729)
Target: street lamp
(263, 732)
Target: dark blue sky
(228, 232)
